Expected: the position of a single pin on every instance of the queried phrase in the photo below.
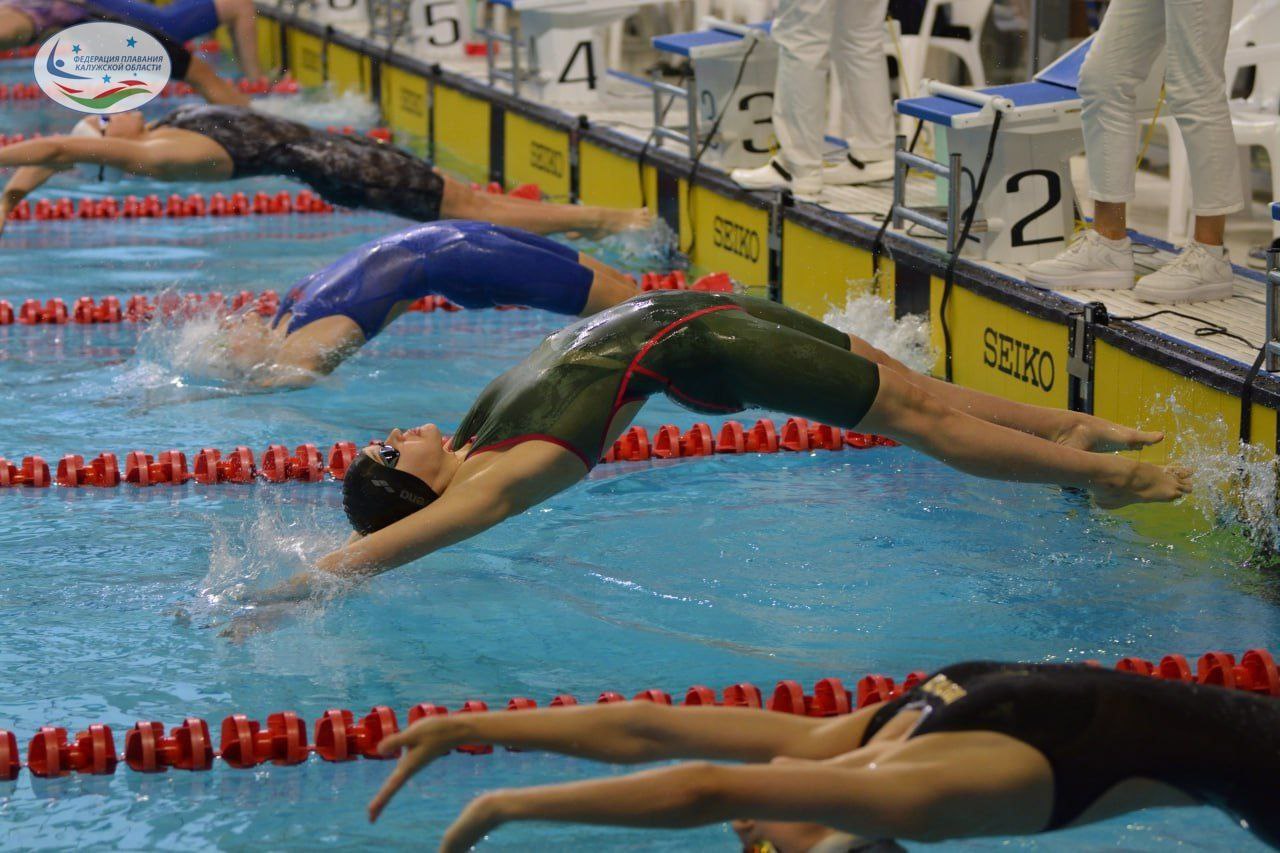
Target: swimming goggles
(388, 454)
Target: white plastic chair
(963, 13)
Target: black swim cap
(375, 496)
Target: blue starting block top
(1275, 210)
(1054, 87)
(945, 111)
(1065, 70)
(686, 44)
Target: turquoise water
(113, 603)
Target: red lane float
(307, 464)
(188, 747)
(245, 743)
(173, 207)
(141, 308)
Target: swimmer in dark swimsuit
(978, 749)
(541, 427)
(332, 312)
(217, 143)
(93, 134)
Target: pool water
(114, 603)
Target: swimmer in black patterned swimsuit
(217, 143)
(541, 427)
(978, 749)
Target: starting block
(351, 13)
(432, 29)
(1028, 205)
(563, 42)
(717, 53)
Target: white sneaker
(1198, 274)
(850, 170)
(774, 176)
(1090, 262)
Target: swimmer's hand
(298, 588)
(423, 742)
(259, 620)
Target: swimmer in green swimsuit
(541, 426)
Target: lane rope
(141, 308)
(339, 736)
(306, 464)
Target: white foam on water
(1234, 483)
(322, 107)
(275, 541)
(871, 318)
(194, 353)
(652, 247)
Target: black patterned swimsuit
(1098, 728)
(351, 171)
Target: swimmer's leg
(461, 202)
(214, 89)
(16, 29)
(915, 417)
(780, 368)
(1073, 429)
(608, 288)
(239, 17)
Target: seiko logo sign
(737, 239)
(1019, 359)
(413, 102)
(546, 159)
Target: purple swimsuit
(47, 15)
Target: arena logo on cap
(102, 67)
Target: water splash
(277, 540)
(1234, 483)
(322, 107)
(871, 318)
(204, 354)
(640, 249)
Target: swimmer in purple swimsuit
(26, 22)
(331, 313)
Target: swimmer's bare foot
(614, 220)
(1101, 436)
(1145, 483)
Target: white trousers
(814, 38)
(1133, 32)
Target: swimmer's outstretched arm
(144, 158)
(508, 484)
(624, 733)
(954, 794)
(25, 181)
